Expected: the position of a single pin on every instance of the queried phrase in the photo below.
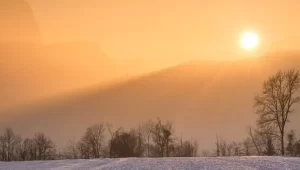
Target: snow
(221, 163)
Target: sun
(249, 40)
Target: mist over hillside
(34, 71)
(31, 70)
(201, 98)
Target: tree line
(280, 93)
(13, 148)
(150, 139)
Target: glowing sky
(171, 30)
(142, 36)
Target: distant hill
(202, 98)
(32, 71)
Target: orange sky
(141, 36)
(171, 30)
(137, 37)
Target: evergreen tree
(270, 149)
(297, 148)
(218, 146)
(291, 143)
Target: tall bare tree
(255, 139)
(140, 135)
(229, 149)
(222, 147)
(291, 143)
(113, 133)
(158, 147)
(148, 128)
(71, 151)
(237, 148)
(93, 139)
(247, 146)
(274, 105)
(3, 148)
(27, 150)
(162, 137)
(84, 149)
(9, 143)
(45, 148)
(218, 146)
(167, 137)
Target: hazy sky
(138, 36)
(172, 30)
(135, 36)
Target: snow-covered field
(230, 163)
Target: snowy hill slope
(232, 163)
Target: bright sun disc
(249, 40)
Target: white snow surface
(216, 163)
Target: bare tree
(254, 140)
(218, 146)
(158, 147)
(247, 146)
(71, 151)
(148, 128)
(3, 148)
(9, 143)
(84, 149)
(27, 150)
(291, 143)
(45, 148)
(162, 139)
(195, 148)
(13, 148)
(93, 140)
(113, 133)
(139, 134)
(237, 148)
(260, 137)
(167, 137)
(32, 149)
(222, 147)
(229, 148)
(275, 104)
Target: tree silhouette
(270, 150)
(275, 103)
(291, 143)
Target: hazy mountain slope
(30, 71)
(202, 98)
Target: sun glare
(249, 40)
